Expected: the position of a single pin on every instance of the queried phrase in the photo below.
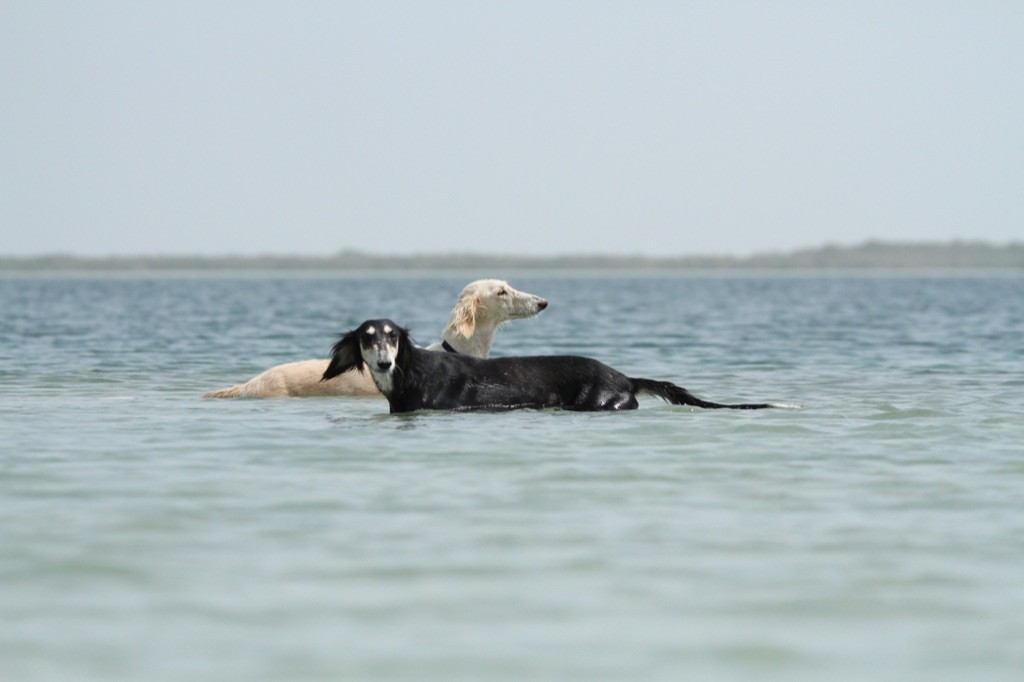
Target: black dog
(412, 378)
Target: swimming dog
(413, 379)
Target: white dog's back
(300, 380)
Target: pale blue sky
(521, 127)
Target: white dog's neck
(478, 345)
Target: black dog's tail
(677, 395)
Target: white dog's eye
(503, 292)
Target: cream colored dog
(483, 306)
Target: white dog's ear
(464, 316)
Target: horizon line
(590, 255)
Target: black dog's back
(457, 382)
(571, 382)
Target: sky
(528, 128)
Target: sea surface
(875, 532)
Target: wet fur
(415, 379)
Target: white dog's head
(488, 303)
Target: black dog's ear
(345, 356)
(404, 346)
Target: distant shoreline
(873, 255)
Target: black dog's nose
(542, 304)
(384, 364)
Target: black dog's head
(378, 345)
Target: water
(875, 533)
